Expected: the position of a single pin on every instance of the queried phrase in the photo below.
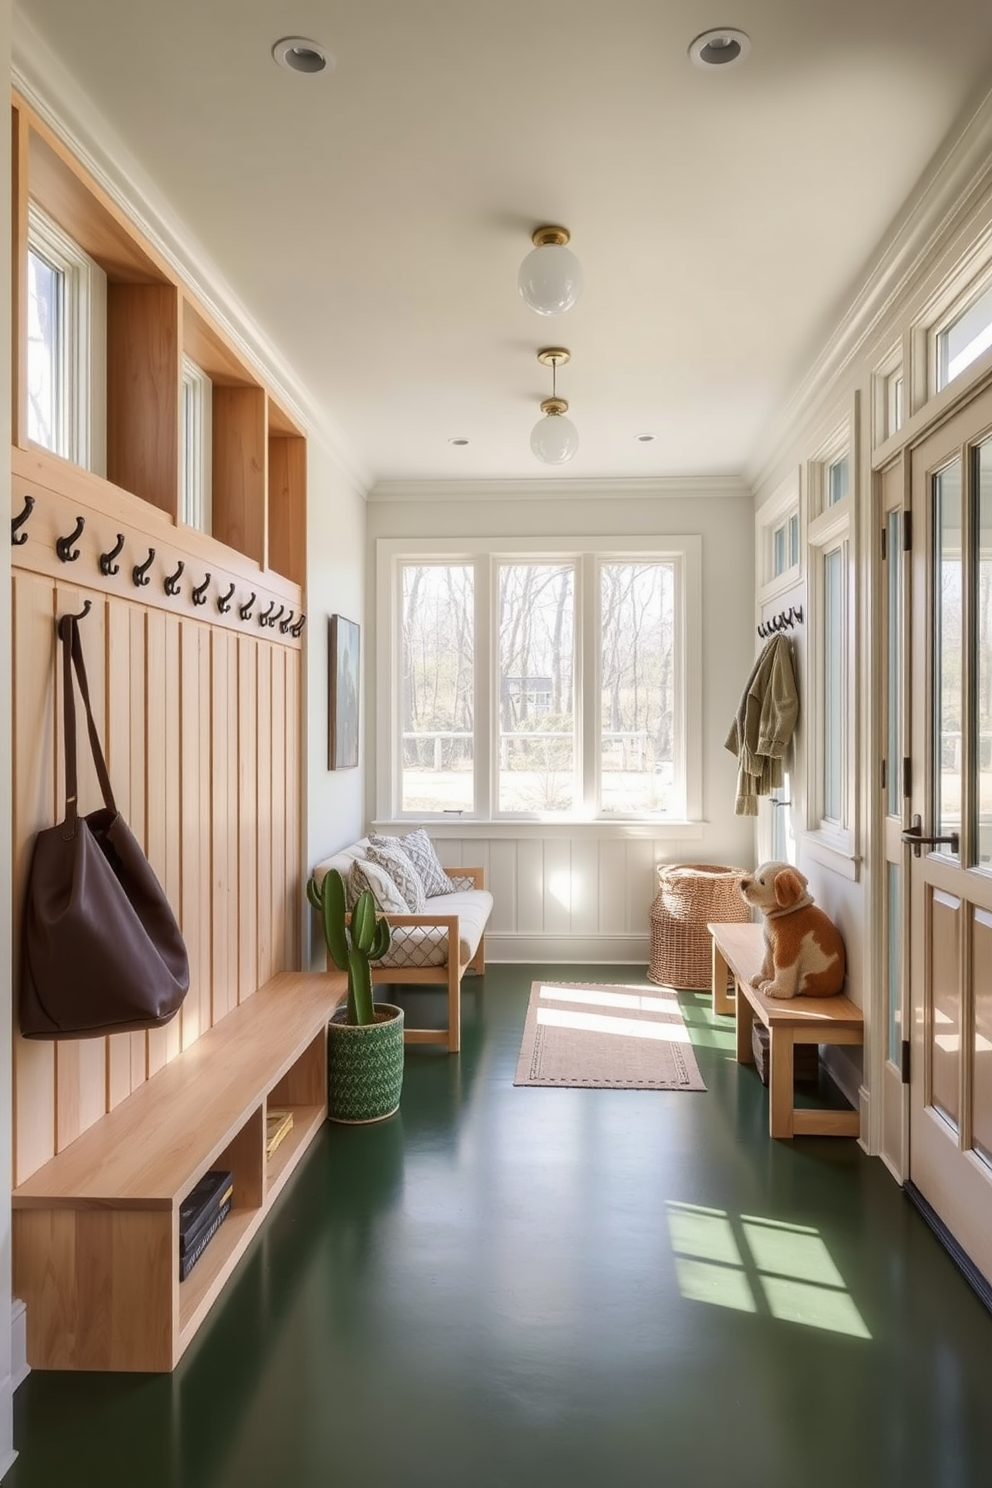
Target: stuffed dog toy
(804, 954)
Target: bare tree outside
(438, 680)
(536, 692)
(637, 714)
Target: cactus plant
(353, 945)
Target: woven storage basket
(690, 896)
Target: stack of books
(201, 1215)
(278, 1124)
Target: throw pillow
(400, 869)
(420, 850)
(368, 875)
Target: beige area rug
(605, 1038)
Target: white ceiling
(372, 219)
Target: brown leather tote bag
(102, 952)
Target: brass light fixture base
(552, 406)
(558, 236)
(554, 356)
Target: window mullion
(588, 682)
(486, 674)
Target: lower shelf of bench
(738, 950)
(96, 1230)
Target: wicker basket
(690, 896)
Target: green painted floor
(507, 1288)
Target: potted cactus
(364, 1038)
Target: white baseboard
(19, 1367)
(568, 949)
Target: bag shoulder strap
(72, 657)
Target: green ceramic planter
(365, 1066)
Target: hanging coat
(763, 725)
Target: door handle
(914, 836)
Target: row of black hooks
(65, 548)
(784, 620)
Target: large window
(539, 685)
(66, 346)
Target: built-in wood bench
(738, 951)
(96, 1230)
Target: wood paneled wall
(201, 726)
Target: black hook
(277, 617)
(19, 521)
(798, 612)
(63, 545)
(140, 570)
(295, 630)
(200, 592)
(172, 580)
(224, 601)
(82, 614)
(285, 624)
(107, 564)
(245, 610)
(264, 615)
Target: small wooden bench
(96, 1230)
(738, 950)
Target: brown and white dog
(804, 953)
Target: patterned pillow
(400, 869)
(420, 850)
(368, 875)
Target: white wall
(609, 868)
(6, 1010)
(335, 803)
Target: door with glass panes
(947, 831)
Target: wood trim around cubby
(287, 506)
(19, 259)
(143, 386)
(240, 468)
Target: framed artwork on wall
(343, 642)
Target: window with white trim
(67, 346)
(830, 731)
(197, 445)
(964, 338)
(542, 684)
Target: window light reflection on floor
(667, 1026)
(759, 1265)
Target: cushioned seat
(419, 951)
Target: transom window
(963, 341)
(539, 685)
(66, 346)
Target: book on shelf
(202, 1202)
(278, 1124)
(197, 1246)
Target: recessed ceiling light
(720, 48)
(301, 55)
(458, 441)
(645, 438)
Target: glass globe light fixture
(554, 438)
(550, 277)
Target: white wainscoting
(568, 898)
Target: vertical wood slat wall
(201, 728)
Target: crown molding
(959, 172)
(695, 487)
(39, 75)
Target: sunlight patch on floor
(753, 1264)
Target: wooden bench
(738, 950)
(96, 1230)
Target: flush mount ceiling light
(302, 55)
(722, 47)
(550, 277)
(554, 438)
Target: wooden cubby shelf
(96, 1230)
